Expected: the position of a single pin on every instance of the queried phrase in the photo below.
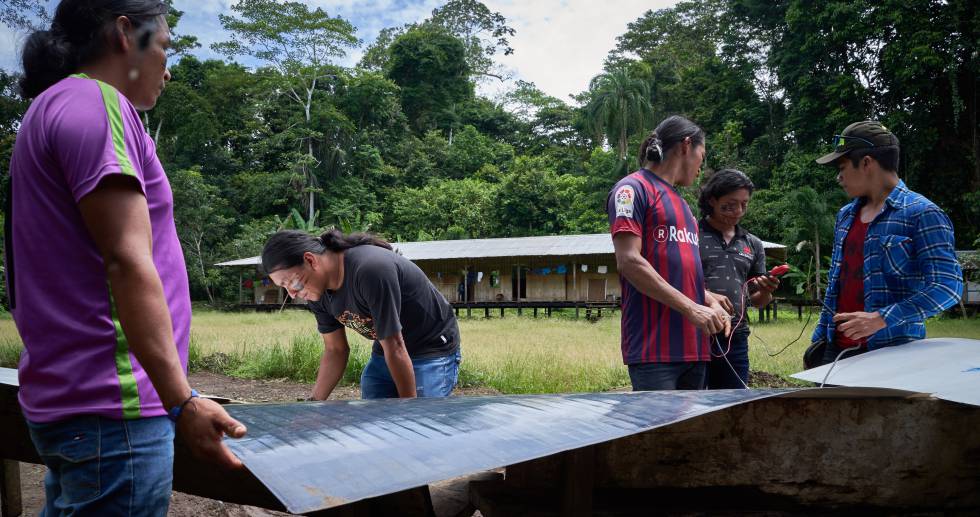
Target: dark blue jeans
(720, 374)
(668, 376)
(101, 466)
(434, 377)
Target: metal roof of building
(545, 246)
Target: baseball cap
(859, 135)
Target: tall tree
(24, 15)
(911, 64)
(484, 34)
(201, 220)
(429, 66)
(300, 44)
(619, 106)
(180, 44)
(482, 31)
(810, 223)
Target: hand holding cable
(721, 299)
(771, 278)
(859, 325)
(712, 319)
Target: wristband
(175, 411)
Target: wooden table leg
(578, 482)
(10, 502)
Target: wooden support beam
(578, 482)
(414, 502)
(10, 502)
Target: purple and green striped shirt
(76, 360)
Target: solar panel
(948, 368)
(314, 456)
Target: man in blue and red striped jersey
(668, 316)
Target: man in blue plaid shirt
(893, 264)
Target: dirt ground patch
(243, 390)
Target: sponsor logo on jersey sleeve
(624, 197)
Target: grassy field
(511, 355)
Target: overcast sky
(560, 44)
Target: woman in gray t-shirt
(358, 281)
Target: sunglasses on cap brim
(840, 141)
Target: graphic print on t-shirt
(363, 325)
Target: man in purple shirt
(95, 272)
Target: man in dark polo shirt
(893, 264)
(734, 263)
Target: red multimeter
(779, 270)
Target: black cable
(809, 314)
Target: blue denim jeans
(720, 374)
(434, 377)
(101, 466)
(668, 376)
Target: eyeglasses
(294, 284)
(840, 140)
(733, 207)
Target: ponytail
(47, 59)
(672, 131)
(285, 249)
(651, 150)
(334, 240)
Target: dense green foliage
(402, 145)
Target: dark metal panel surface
(314, 456)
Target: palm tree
(810, 215)
(618, 106)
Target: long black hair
(672, 131)
(720, 184)
(285, 249)
(78, 36)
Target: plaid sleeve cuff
(892, 315)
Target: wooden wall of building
(572, 285)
